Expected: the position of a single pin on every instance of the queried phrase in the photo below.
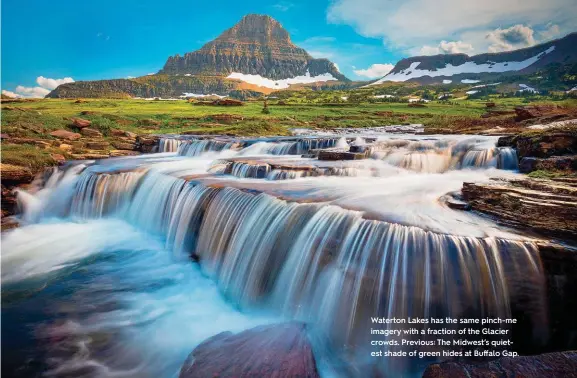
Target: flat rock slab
(64, 134)
(551, 365)
(545, 206)
(274, 351)
(340, 155)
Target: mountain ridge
(436, 68)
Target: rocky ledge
(279, 350)
(552, 365)
(548, 207)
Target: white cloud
(32, 92)
(52, 83)
(375, 70)
(10, 94)
(444, 47)
(515, 37)
(321, 54)
(419, 22)
(45, 86)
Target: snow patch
(526, 88)
(485, 85)
(280, 84)
(471, 92)
(447, 81)
(195, 95)
(384, 96)
(413, 72)
(469, 81)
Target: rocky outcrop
(544, 206)
(555, 150)
(551, 365)
(14, 174)
(280, 350)
(80, 122)
(256, 45)
(555, 163)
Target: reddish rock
(551, 365)
(65, 134)
(15, 173)
(65, 147)
(542, 145)
(123, 145)
(275, 351)
(80, 122)
(91, 133)
(534, 111)
(117, 153)
(340, 155)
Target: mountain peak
(257, 28)
(256, 45)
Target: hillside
(446, 68)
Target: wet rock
(15, 174)
(556, 163)
(97, 145)
(147, 143)
(542, 145)
(280, 350)
(65, 134)
(92, 133)
(551, 365)
(545, 206)
(80, 122)
(340, 155)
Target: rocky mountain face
(257, 45)
(436, 68)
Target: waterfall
(310, 258)
(197, 147)
(169, 144)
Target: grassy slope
(36, 119)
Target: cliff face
(257, 45)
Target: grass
(36, 119)
(26, 155)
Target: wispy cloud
(45, 86)
(283, 6)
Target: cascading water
(169, 144)
(331, 251)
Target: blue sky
(85, 40)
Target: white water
(320, 249)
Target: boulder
(80, 122)
(15, 174)
(147, 143)
(65, 134)
(92, 133)
(551, 365)
(279, 350)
